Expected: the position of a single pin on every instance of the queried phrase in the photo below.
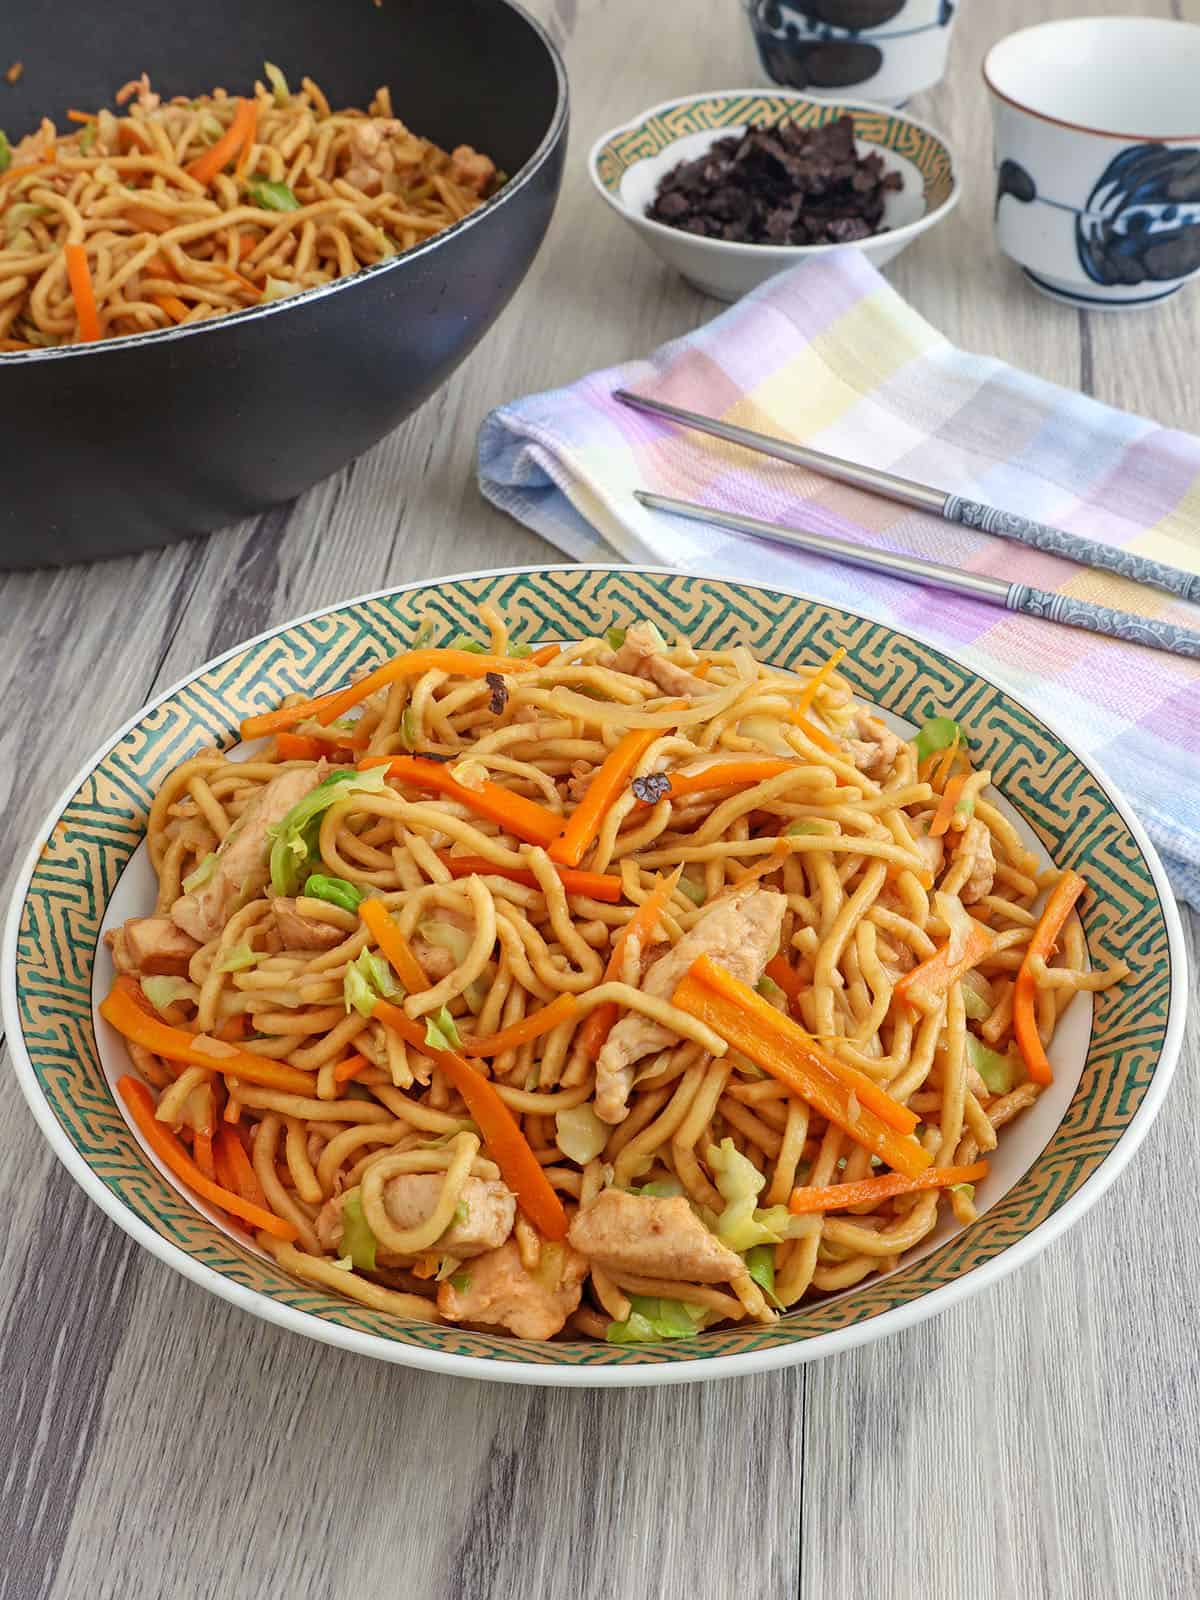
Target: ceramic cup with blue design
(1097, 157)
(883, 50)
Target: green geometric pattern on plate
(103, 823)
(882, 128)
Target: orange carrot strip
(240, 1167)
(233, 1028)
(727, 775)
(15, 344)
(130, 137)
(818, 735)
(242, 283)
(539, 658)
(146, 220)
(584, 823)
(411, 664)
(424, 1266)
(936, 974)
(780, 970)
(171, 1153)
(197, 1049)
(175, 308)
(202, 1154)
(530, 1027)
(946, 805)
(79, 276)
(350, 1068)
(507, 1145)
(382, 927)
(1062, 897)
(245, 243)
(298, 747)
(838, 1196)
(802, 1044)
(224, 1172)
(640, 925)
(797, 1066)
(206, 165)
(596, 885)
(80, 116)
(524, 818)
(809, 693)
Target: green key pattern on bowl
(103, 823)
(880, 128)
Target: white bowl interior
(638, 185)
(1020, 1144)
(1131, 75)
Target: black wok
(144, 440)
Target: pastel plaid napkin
(830, 355)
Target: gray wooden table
(1041, 1440)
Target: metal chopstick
(1019, 597)
(950, 507)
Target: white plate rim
(698, 1369)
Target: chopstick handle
(1058, 542)
(1064, 608)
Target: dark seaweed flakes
(499, 696)
(780, 184)
(652, 787)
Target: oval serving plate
(87, 868)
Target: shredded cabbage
(741, 1225)
(358, 1241)
(463, 641)
(765, 730)
(163, 992)
(519, 651)
(805, 825)
(939, 733)
(662, 1189)
(974, 1003)
(614, 638)
(997, 1071)
(335, 891)
(279, 84)
(5, 152)
(367, 978)
(695, 892)
(770, 990)
(408, 731)
(87, 138)
(580, 1134)
(280, 289)
(651, 1320)
(294, 838)
(204, 871)
(447, 936)
(270, 196)
(760, 1265)
(441, 1031)
(16, 218)
(238, 959)
(956, 917)
(471, 774)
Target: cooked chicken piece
(976, 842)
(931, 851)
(152, 946)
(641, 655)
(499, 1291)
(471, 170)
(651, 1238)
(489, 1210)
(740, 932)
(241, 865)
(303, 933)
(381, 150)
(580, 780)
(872, 746)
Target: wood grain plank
(1037, 1441)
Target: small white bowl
(886, 50)
(1097, 151)
(627, 162)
